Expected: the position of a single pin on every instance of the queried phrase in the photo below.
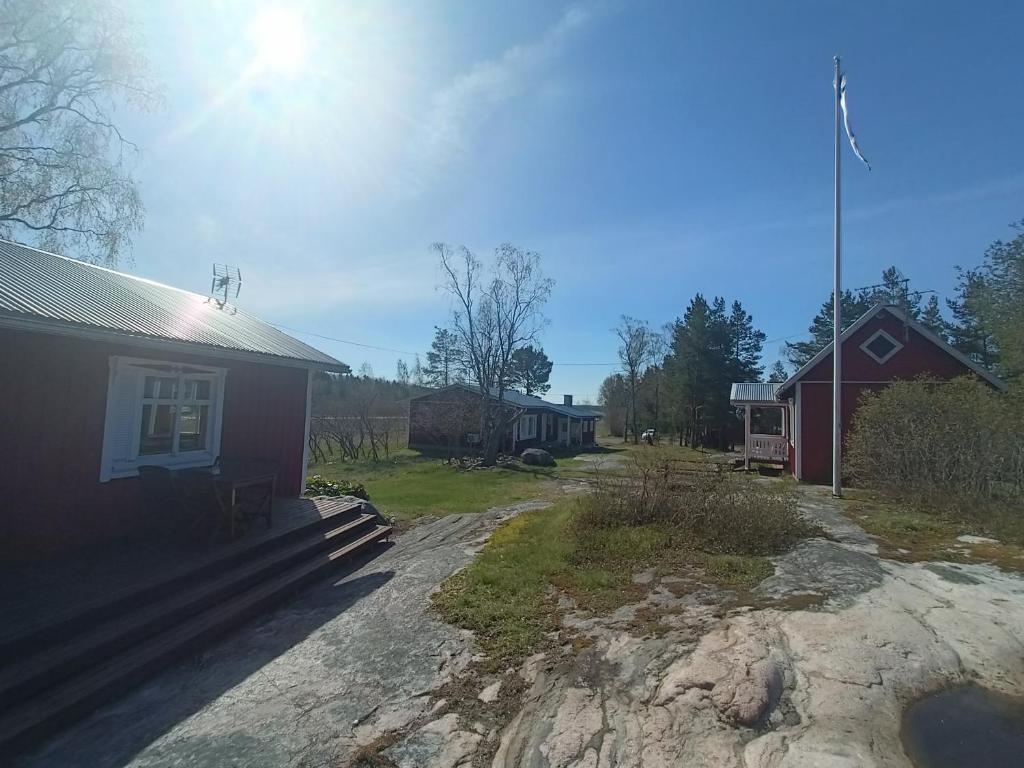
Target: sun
(280, 40)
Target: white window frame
(528, 427)
(897, 346)
(112, 467)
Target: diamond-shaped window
(881, 346)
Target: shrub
(318, 485)
(950, 445)
(712, 511)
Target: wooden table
(227, 484)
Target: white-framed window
(881, 346)
(528, 427)
(160, 413)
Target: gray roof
(45, 292)
(753, 392)
(529, 401)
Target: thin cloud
(458, 109)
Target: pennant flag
(846, 122)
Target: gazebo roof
(754, 393)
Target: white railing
(768, 447)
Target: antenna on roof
(226, 283)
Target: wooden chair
(256, 501)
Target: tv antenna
(226, 283)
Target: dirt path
(333, 669)
(822, 685)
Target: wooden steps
(65, 669)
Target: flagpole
(837, 317)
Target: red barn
(882, 346)
(103, 372)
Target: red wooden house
(792, 422)
(103, 372)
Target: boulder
(537, 457)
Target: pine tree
(821, 326)
(442, 366)
(894, 289)
(778, 373)
(997, 299)
(710, 347)
(931, 318)
(531, 370)
(967, 332)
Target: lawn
(914, 535)
(410, 486)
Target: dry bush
(699, 507)
(953, 446)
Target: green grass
(502, 595)
(915, 535)
(410, 486)
(505, 596)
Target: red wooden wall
(861, 372)
(53, 393)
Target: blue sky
(647, 150)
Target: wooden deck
(90, 626)
(37, 591)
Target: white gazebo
(766, 427)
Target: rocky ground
(815, 670)
(811, 669)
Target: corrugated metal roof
(51, 289)
(753, 392)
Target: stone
(537, 457)
(968, 539)
(438, 744)
(489, 695)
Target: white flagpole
(837, 317)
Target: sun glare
(280, 40)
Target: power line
(342, 341)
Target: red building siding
(919, 356)
(53, 393)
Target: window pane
(157, 428)
(192, 432)
(197, 389)
(161, 387)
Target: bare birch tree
(497, 310)
(65, 68)
(637, 346)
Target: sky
(647, 150)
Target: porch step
(53, 686)
(55, 629)
(55, 664)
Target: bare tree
(495, 312)
(636, 349)
(64, 176)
